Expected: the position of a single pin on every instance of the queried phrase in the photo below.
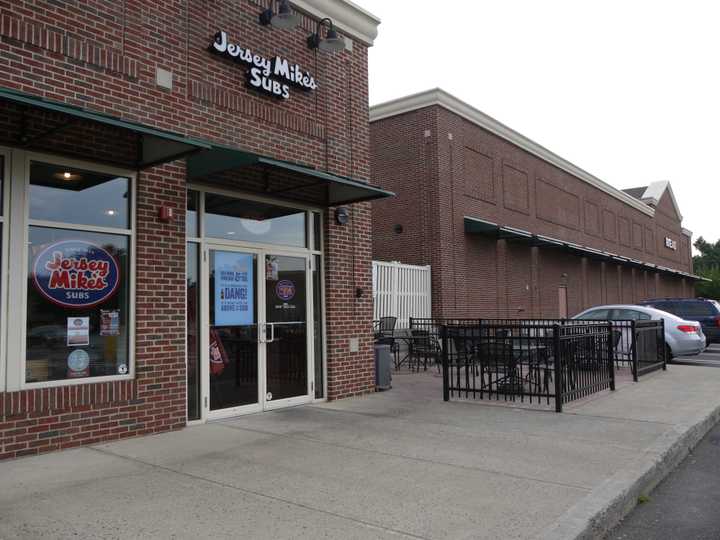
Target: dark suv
(706, 312)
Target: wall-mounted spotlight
(342, 215)
(285, 17)
(332, 41)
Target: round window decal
(76, 274)
(285, 290)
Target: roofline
(347, 17)
(441, 98)
(687, 232)
(655, 191)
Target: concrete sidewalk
(400, 464)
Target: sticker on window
(76, 274)
(78, 331)
(285, 290)
(78, 363)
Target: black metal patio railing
(535, 361)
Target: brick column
(348, 266)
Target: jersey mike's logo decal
(76, 274)
(285, 290)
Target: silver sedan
(683, 338)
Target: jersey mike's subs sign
(76, 274)
(272, 76)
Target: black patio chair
(499, 364)
(385, 335)
(424, 346)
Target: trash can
(383, 366)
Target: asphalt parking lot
(709, 358)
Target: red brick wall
(103, 56)
(471, 172)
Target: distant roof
(636, 192)
(652, 194)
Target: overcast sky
(627, 90)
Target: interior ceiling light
(332, 41)
(285, 18)
(67, 176)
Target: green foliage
(707, 264)
(642, 499)
(709, 257)
(709, 289)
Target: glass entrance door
(233, 359)
(257, 333)
(286, 329)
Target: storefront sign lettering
(76, 274)
(271, 76)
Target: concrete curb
(605, 506)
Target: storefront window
(191, 218)
(78, 282)
(318, 334)
(193, 334)
(251, 221)
(70, 195)
(317, 232)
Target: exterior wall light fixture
(332, 41)
(285, 18)
(342, 215)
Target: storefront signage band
(271, 76)
(76, 274)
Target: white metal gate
(402, 291)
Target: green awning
(283, 179)
(153, 146)
(479, 226)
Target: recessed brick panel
(479, 175)
(516, 192)
(557, 205)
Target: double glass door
(258, 354)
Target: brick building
(185, 216)
(509, 228)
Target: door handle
(272, 333)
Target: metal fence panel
(540, 361)
(402, 291)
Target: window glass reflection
(191, 219)
(250, 221)
(71, 195)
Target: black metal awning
(40, 124)
(479, 226)
(275, 178)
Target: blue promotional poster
(234, 289)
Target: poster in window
(234, 291)
(78, 331)
(109, 322)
